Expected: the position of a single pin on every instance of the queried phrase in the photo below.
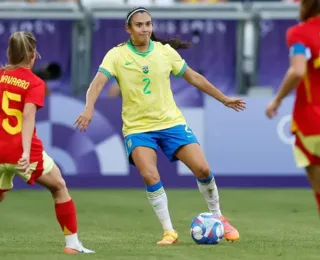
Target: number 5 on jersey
(146, 88)
(11, 129)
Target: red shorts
(37, 169)
(307, 150)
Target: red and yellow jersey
(18, 87)
(304, 39)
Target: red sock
(317, 196)
(67, 217)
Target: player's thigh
(133, 141)
(180, 143)
(53, 180)
(145, 159)
(193, 157)
(307, 150)
(46, 173)
(141, 151)
(2, 195)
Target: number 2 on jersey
(146, 89)
(7, 96)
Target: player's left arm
(200, 82)
(181, 69)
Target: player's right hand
(272, 108)
(24, 163)
(84, 119)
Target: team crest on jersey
(145, 69)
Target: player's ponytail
(175, 43)
(21, 49)
(309, 9)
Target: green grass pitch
(120, 224)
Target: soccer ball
(206, 229)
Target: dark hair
(21, 48)
(309, 9)
(175, 43)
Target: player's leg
(141, 150)
(307, 155)
(180, 143)
(48, 175)
(313, 172)
(2, 196)
(6, 179)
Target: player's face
(141, 27)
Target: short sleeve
(296, 42)
(107, 66)
(178, 64)
(36, 94)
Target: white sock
(209, 190)
(72, 240)
(159, 202)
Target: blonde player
(22, 93)
(142, 67)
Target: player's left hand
(24, 163)
(272, 108)
(236, 104)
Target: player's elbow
(96, 86)
(29, 111)
(193, 77)
(298, 71)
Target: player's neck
(141, 47)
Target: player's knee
(60, 184)
(202, 171)
(2, 196)
(60, 191)
(150, 175)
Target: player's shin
(209, 190)
(159, 202)
(313, 172)
(2, 196)
(67, 217)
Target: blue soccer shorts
(169, 140)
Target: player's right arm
(105, 72)
(299, 56)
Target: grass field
(120, 224)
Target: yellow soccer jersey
(144, 80)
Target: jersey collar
(143, 54)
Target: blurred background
(238, 45)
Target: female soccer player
(142, 67)
(304, 75)
(22, 93)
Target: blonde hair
(21, 49)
